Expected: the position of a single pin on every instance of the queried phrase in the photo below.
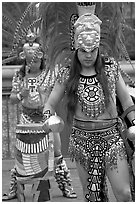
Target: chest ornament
(90, 96)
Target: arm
(57, 92)
(54, 98)
(15, 96)
(54, 123)
(124, 97)
(18, 93)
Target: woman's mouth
(88, 61)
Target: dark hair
(22, 71)
(73, 81)
(72, 86)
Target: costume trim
(63, 75)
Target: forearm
(131, 114)
(53, 100)
(131, 117)
(125, 98)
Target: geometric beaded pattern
(109, 142)
(112, 72)
(90, 93)
(90, 96)
(96, 151)
(96, 176)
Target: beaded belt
(94, 124)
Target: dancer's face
(87, 59)
(33, 54)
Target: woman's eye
(82, 50)
(94, 50)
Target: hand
(55, 123)
(131, 133)
(24, 92)
(45, 126)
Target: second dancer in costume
(31, 87)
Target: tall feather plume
(112, 36)
(15, 28)
(56, 29)
(111, 32)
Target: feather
(56, 28)
(15, 27)
(53, 18)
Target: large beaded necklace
(37, 85)
(91, 96)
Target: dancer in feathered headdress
(31, 86)
(91, 83)
(58, 27)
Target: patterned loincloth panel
(96, 149)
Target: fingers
(55, 123)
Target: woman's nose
(88, 54)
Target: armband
(133, 122)
(46, 115)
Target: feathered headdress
(59, 29)
(56, 22)
(17, 33)
(56, 29)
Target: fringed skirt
(96, 145)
